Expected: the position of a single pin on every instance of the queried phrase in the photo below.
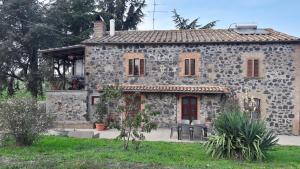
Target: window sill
(135, 75)
(253, 78)
(190, 76)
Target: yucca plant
(240, 137)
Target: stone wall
(165, 104)
(67, 106)
(219, 65)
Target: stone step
(73, 124)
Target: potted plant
(101, 114)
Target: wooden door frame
(179, 106)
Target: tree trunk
(33, 81)
(10, 87)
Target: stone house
(184, 74)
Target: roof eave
(200, 43)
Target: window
(252, 68)
(79, 68)
(95, 100)
(189, 67)
(136, 67)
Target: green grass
(22, 93)
(63, 152)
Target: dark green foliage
(239, 137)
(29, 25)
(127, 13)
(101, 111)
(23, 32)
(183, 23)
(135, 120)
(73, 19)
(24, 120)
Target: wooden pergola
(61, 60)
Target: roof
(191, 36)
(168, 88)
(64, 52)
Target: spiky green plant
(239, 137)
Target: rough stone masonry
(219, 65)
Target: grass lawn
(62, 152)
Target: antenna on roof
(154, 11)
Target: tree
(24, 120)
(127, 13)
(183, 23)
(134, 121)
(23, 32)
(73, 18)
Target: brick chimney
(99, 27)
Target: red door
(189, 108)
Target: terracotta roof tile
(169, 88)
(191, 36)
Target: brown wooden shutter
(249, 68)
(142, 67)
(130, 66)
(186, 66)
(256, 68)
(136, 66)
(193, 66)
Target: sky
(281, 15)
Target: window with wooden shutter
(142, 66)
(136, 67)
(256, 68)
(186, 66)
(253, 68)
(249, 68)
(189, 67)
(130, 67)
(192, 66)
(134, 64)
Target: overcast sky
(281, 15)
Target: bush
(23, 120)
(135, 122)
(239, 137)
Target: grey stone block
(81, 134)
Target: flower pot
(100, 126)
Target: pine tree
(127, 13)
(183, 23)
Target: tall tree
(23, 32)
(74, 18)
(183, 23)
(127, 13)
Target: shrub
(239, 137)
(135, 121)
(24, 120)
